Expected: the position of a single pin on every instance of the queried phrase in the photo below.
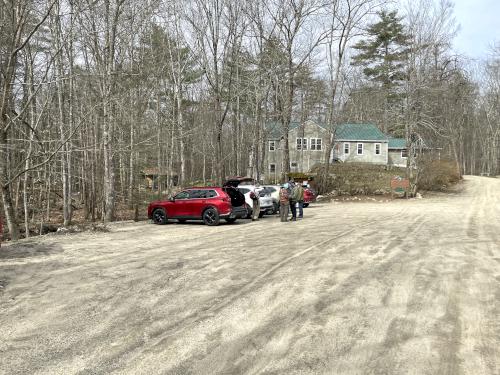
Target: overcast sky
(479, 26)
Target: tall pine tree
(383, 56)
(384, 52)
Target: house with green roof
(360, 143)
(397, 152)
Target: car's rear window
(243, 190)
(211, 193)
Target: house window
(272, 168)
(272, 145)
(301, 144)
(293, 164)
(347, 147)
(377, 149)
(404, 153)
(316, 144)
(360, 149)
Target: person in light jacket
(284, 203)
(254, 194)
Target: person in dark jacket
(300, 199)
(294, 197)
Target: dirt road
(405, 287)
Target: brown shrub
(358, 178)
(436, 175)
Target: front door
(179, 208)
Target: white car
(265, 200)
(274, 191)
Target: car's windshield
(265, 191)
(243, 190)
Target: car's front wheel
(305, 205)
(160, 216)
(261, 214)
(211, 217)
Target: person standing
(254, 194)
(284, 203)
(300, 199)
(293, 202)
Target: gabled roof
(397, 143)
(359, 132)
(273, 128)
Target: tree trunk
(8, 207)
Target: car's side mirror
(171, 199)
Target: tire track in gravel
(105, 237)
(160, 338)
(480, 292)
(157, 338)
(355, 280)
(285, 315)
(152, 254)
(303, 315)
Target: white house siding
(368, 155)
(273, 157)
(305, 159)
(395, 158)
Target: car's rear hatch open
(237, 199)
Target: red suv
(209, 204)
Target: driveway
(402, 287)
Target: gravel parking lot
(404, 287)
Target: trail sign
(399, 184)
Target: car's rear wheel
(160, 216)
(261, 214)
(211, 217)
(305, 205)
(231, 220)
